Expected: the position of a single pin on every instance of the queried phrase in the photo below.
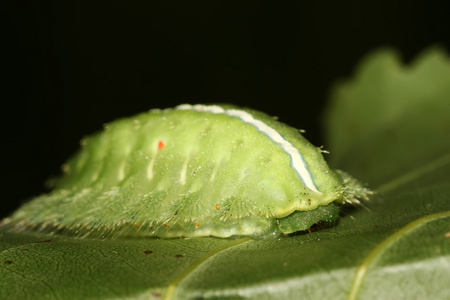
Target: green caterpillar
(192, 171)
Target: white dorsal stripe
(297, 160)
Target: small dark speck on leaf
(148, 252)
(179, 255)
(8, 262)
(46, 241)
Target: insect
(191, 171)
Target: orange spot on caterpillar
(137, 226)
(167, 226)
(161, 145)
(217, 206)
(197, 224)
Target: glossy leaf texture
(389, 126)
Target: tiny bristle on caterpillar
(191, 171)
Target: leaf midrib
(368, 262)
(172, 288)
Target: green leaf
(391, 120)
(389, 126)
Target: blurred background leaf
(395, 115)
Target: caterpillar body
(191, 171)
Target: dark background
(71, 66)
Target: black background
(71, 66)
